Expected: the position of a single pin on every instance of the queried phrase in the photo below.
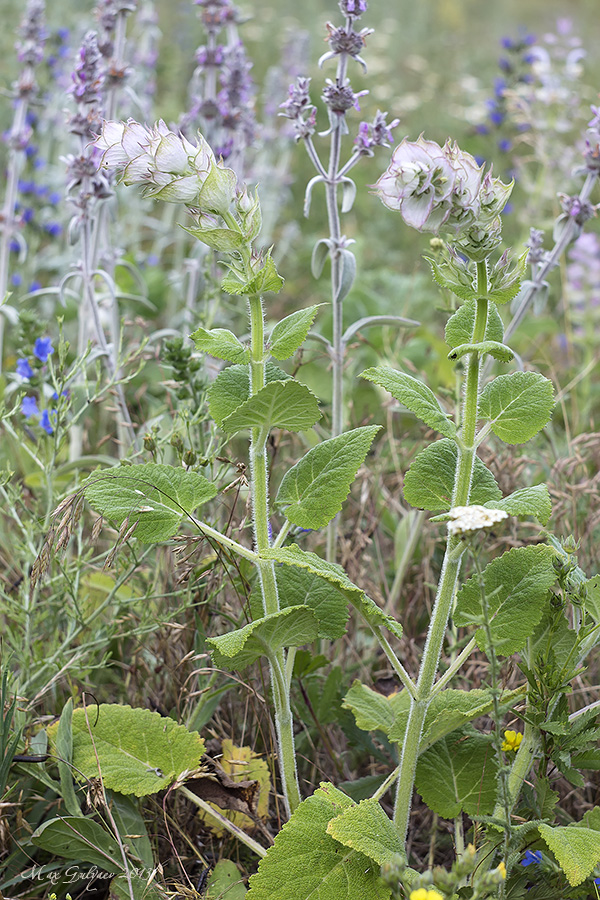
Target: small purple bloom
(16, 280)
(29, 407)
(504, 144)
(24, 370)
(53, 229)
(55, 197)
(45, 421)
(35, 286)
(43, 349)
(28, 215)
(532, 857)
(596, 880)
(14, 246)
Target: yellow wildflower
(423, 894)
(502, 869)
(512, 740)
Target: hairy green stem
(259, 470)
(449, 575)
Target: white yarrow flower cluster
(468, 519)
(440, 189)
(167, 165)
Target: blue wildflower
(14, 246)
(53, 229)
(35, 286)
(29, 407)
(43, 349)
(531, 858)
(596, 880)
(45, 421)
(16, 279)
(24, 369)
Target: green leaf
(231, 388)
(312, 491)
(221, 343)
(449, 710)
(367, 829)
(225, 882)
(299, 586)
(320, 253)
(290, 333)
(517, 405)
(347, 274)
(219, 238)
(140, 752)
(290, 627)
(131, 827)
(75, 837)
(577, 850)
(280, 404)
(592, 597)
(64, 753)
(516, 586)
(295, 556)
(372, 710)
(530, 501)
(458, 775)
(460, 327)
(414, 395)
(154, 496)
(429, 482)
(306, 863)
(493, 348)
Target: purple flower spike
(532, 858)
(29, 407)
(24, 369)
(43, 348)
(353, 8)
(45, 421)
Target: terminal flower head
(468, 519)
(167, 165)
(440, 189)
(424, 894)
(512, 740)
(532, 858)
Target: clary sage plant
(332, 847)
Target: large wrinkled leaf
(529, 501)
(366, 828)
(517, 405)
(290, 627)
(154, 496)
(335, 575)
(289, 333)
(576, 849)
(449, 710)
(140, 752)
(312, 491)
(372, 710)
(415, 395)
(231, 388)
(299, 586)
(429, 482)
(458, 774)
(306, 863)
(280, 404)
(459, 328)
(516, 587)
(221, 343)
